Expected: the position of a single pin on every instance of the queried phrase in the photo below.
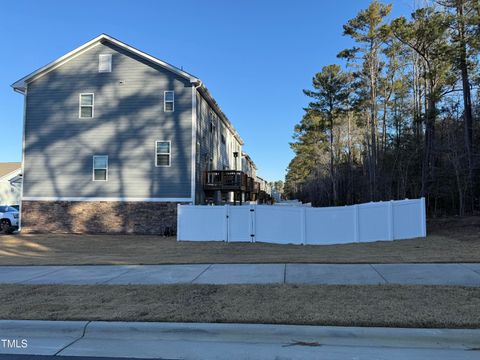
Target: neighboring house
(10, 183)
(248, 166)
(253, 186)
(265, 193)
(114, 139)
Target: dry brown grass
(449, 240)
(385, 305)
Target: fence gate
(240, 223)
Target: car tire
(6, 227)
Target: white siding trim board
(23, 157)
(194, 144)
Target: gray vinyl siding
(129, 118)
(204, 150)
(210, 146)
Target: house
(265, 191)
(115, 138)
(10, 183)
(253, 186)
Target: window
(100, 168)
(86, 106)
(223, 138)
(104, 63)
(162, 153)
(169, 101)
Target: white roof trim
(20, 85)
(11, 174)
(203, 91)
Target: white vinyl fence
(389, 220)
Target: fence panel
(408, 219)
(332, 225)
(278, 224)
(201, 223)
(390, 220)
(373, 222)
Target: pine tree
(426, 34)
(366, 29)
(330, 95)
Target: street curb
(63, 333)
(326, 335)
(42, 337)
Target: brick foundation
(99, 217)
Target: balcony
(225, 180)
(253, 186)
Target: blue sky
(254, 56)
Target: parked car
(8, 219)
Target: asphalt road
(52, 357)
(331, 353)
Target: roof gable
(21, 84)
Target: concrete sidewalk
(235, 341)
(351, 274)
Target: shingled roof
(9, 167)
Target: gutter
(211, 101)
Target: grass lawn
(449, 240)
(384, 305)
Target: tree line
(400, 118)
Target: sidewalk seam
(379, 274)
(42, 275)
(115, 277)
(196, 277)
(74, 341)
(466, 267)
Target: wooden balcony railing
(225, 180)
(253, 186)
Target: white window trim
(80, 105)
(93, 168)
(169, 154)
(170, 101)
(109, 56)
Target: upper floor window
(100, 168)
(162, 153)
(86, 106)
(104, 63)
(169, 101)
